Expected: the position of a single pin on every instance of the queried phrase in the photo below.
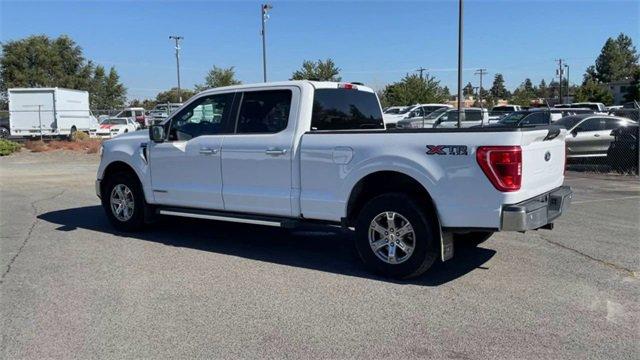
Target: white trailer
(49, 112)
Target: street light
(177, 39)
(264, 12)
(460, 113)
(568, 80)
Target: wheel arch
(114, 168)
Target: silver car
(590, 134)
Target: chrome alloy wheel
(122, 204)
(391, 237)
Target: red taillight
(502, 165)
(347, 86)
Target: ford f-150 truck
(296, 152)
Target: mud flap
(446, 245)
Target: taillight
(502, 165)
(347, 86)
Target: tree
(446, 92)
(319, 71)
(412, 89)
(467, 90)
(633, 92)
(524, 93)
(106, 91)
(593, 91)
(171, 96)
(618, 60)
(218, 77)
(498, 90)
(39, 61)
(542, 90)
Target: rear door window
(593, 124)
(264, 112)
(345, 109)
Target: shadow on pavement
(323, 249)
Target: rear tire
(123, 201)
(72, 134)
(471, 239)
(4, 132)
(401, 254)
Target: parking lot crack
(34, 208)
(617, 267)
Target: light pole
(264, 12)
(568, 80)
(481, 72)
(460, 114)
(177, 39)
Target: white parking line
(598, 200)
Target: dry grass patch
(87, 146)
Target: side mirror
(575, 131)
(156, 133)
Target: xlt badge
(447, 150)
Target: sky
(374, 42)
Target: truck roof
(43, 89)
(315, 84)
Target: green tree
(412, 89)
(106, 91)
(467, 90)
(594, 91)
(498, 90)
(218, 77)
(319, 71)
(542, 90)
(39, 61)
(172, 96)
(524, 93)
(618, 60)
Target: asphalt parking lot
(73, 287)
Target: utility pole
(420, 70)
(177, 39)
(568, 79)
(480, 72)
(264, 14)
(460, 114)
(559, 73)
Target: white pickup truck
(296, 152)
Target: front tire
(123, 201)
(4, 132)
(394, 236)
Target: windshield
(513, 118)
(436, 114)
(114, 122)
(568, 122)
(393, 110)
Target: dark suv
(622, 155)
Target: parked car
(538, 116)
(394, 110)
(161, 112)
(499, 111)
(4, 126)
(590, 134)
(595, 106)
(414, 112)
(134, 113)
(622, 154)
(298, 152)
(473, 117)
(115, 126)
(629, 110)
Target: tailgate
(543, 161)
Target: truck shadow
(317, 248)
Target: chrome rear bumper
(537, 212)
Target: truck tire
(394, 236)
(471, 239)
(72, 134)
(4, 132)
(123, 201)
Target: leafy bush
(8, 147)
(82, 136)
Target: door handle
(275, 151)
(208, 151)
(596, 135)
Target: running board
(254, 219)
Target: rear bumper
(537, 212)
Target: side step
(243, 218)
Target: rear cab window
(345, 109)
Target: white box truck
(49, 112)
